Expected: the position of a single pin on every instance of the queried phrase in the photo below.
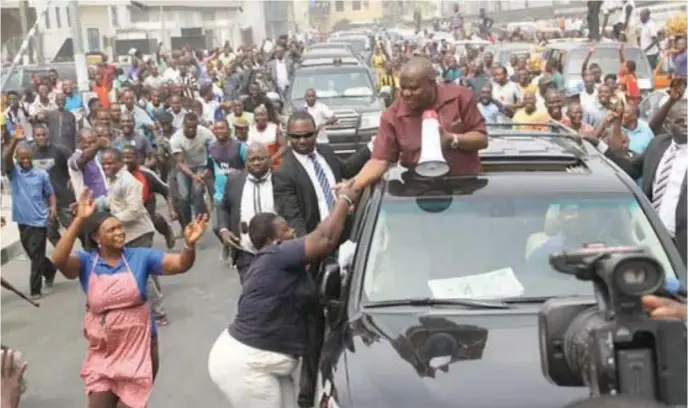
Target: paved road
(199, 304)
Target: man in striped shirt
(457, 23)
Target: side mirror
(385, 91)
(331, 283)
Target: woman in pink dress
(121, 359)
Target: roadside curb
(10, 252)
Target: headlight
(370, 120)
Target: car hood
(421, 360)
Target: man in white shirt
(648, 38)
(662, 167)
(280, 69)
(42, 102)
(321, 113)
(154, 80)
(508, 93)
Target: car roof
(327, 69)
(320, 62)
(512, 46)
(327, 53)
(584, 45)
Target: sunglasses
(301, 135)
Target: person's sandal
(162, 321)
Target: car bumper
(345, 142)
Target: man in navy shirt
(33, 204)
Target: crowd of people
(198, 130)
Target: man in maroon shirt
(462, 127)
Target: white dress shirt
(282, 75)
(321, 113)
(667, 207)
(256, 198)
(310, 169)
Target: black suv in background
(435, 302)
(350, 92)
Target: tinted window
(333, 84)
(357, 45)
(504, 56)
(327, 53)
(608, 59)
(418, 254)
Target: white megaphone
(431, 163)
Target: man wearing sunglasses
(304, 196)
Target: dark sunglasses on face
(301, 135)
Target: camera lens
(637, 277)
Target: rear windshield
(608, 59)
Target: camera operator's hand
(663, 308)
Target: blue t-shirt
(640, 137)
(142, 261)
(31, 190)
(276, 293)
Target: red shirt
(103, 93)
(398, 138)
(630, 81)
(144, 182)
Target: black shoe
(49, 283)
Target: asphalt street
(199, 303)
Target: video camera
(610, 345)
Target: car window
(417, 254)
(326, 53)
(608, 59)
(504, 57)
(333, 84)
(357, 45)
(650, 104)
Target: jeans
(191, 196)
(159, 222)
(33, 239)
(153, 288)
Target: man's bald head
(257, 148)
(418, 67)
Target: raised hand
(195, 229)
(12, 373)
(86, 205)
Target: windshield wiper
(530, 299)
(474, 304)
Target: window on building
(355, 5)
(47, 18)
(69, 17)
(58, 18)
(115, 16)
(208, 16)
(366, 4)
(93, 38)
(140, 16)
(339, 5)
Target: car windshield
(495, 247)
(504, 58)
(18, 82)
(357, 45)
(608, 59)
(333, 84)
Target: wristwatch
(455, 141)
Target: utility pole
(24, 24)
(78, 44)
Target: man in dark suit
(304, 196)
(662, 166)
(247, 193)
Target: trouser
(191, 195)
(153, 288)
(33, 239)
(64, 218)
(159, 222)
(653, 59)
(309, 367)
(594, 8)
(250, 377)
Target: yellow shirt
(378, 61)
(388, 80)
(531, 87)
(537, 116)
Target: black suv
(349, 91)
(435, 297)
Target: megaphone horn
(431, 163)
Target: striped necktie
(322, 180)
(662, 177)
